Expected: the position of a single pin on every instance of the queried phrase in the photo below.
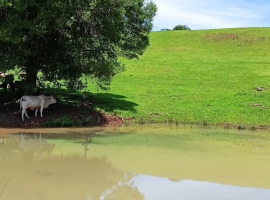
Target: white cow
(35, 102)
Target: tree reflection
(35, 176)
(7, 148)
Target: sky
(158, 188)
(211, 14)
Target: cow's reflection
(33, 146)
(60, 176)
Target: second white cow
(35, 102)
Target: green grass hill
(197, 77)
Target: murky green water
(152, 163)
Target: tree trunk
(31, 77)
(31, 70)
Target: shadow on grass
(105, 101)
(110, 102)
(71, 109)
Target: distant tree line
(178, 27)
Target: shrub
(181, 27)
(165, 29)
(63, 122)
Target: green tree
(67, 39)
(181, 27)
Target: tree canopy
(181, 27)
(67, 39)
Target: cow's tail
(20, 101)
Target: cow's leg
(36, 111)
(23, 114)
(26, 114)
(41, 110)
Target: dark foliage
(181, 27)
(66, 39)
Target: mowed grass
(198, 77)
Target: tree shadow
(106, 101)
(72, 109)
(110, 102)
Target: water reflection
(35, 167)
(29, 169)
(162, 188)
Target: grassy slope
(205, 76)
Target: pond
(150, 162)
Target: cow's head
(52, 99)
